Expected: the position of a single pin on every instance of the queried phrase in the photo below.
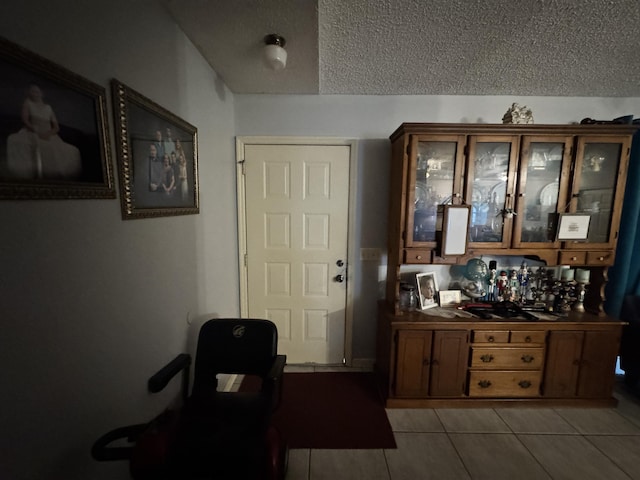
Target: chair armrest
(275, 372)
(160, 380)
(102, 452)
(272, 382)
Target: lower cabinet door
(431, 363)
(507, 384)
(564, 352)
(413, 360)
(449, 363)
(598, 364)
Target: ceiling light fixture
(275, 56)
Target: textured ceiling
(422, 47)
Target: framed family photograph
(157, 157)
(54, 140)
(427, 290)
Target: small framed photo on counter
(450, 298)
(427, 290)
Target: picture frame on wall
(54, 141)
(427, 290)
(157, 156)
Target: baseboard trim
(363, 363)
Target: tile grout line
(607, 456)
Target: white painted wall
(91, 305)
(372, 119)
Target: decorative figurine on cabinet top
(518, 114)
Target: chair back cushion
(228, 345)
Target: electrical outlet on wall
(370, 254)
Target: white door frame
(241, 141)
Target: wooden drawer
(567, 257)
(490, 336)
(509, 384)
(600, 258)
(417, 256)
(532, 337)
(436, 259)
(507, 358)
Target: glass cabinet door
(435, 179)
(598, 187)
(490, 187)
(542, 190)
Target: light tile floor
(491, 444)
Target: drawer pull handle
(527, 358)
(524, 383)
(486, 358)
(574, 258)
(484, 383)
(601, 258)
(527, 339)
(490, 339)
(418, 257)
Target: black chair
(215, 435)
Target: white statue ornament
(518, 114)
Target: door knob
(339, 278)
(340, 263)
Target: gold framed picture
(54, 141)
(157, 157)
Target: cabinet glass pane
(544, 167)
(598, 177)
(434, 186)
(491, 169)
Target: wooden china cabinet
(517, 180)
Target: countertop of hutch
(442, 317)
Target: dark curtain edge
(624, 276)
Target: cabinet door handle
(524, 383)
(527, 358)
(425, 362)
(486, 358)
(484, 383)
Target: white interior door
(296, 210)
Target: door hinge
(242, 170)
(246, 259)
